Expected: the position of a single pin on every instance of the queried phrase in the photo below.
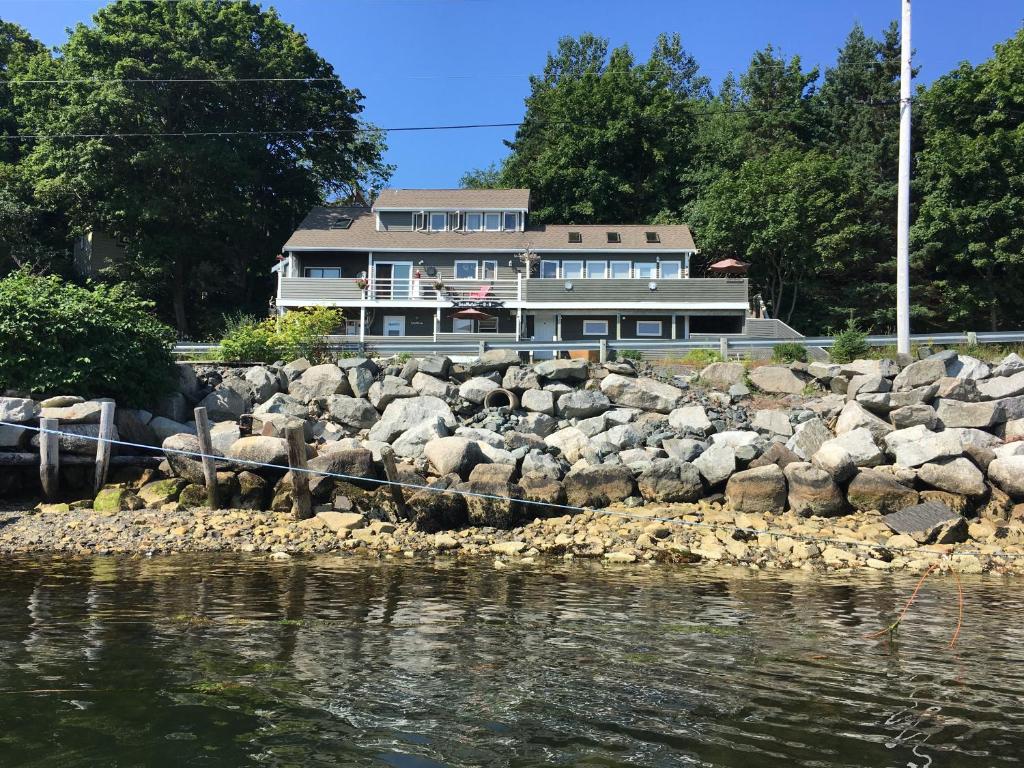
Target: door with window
(392, 280)
(394, 325)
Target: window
(572, 270)
(490, 270)
(597, 269)
(670, 270)
(461, 326)
(322, 272)
(645, 270)
(614, 237)
(648, 327)
(492, 222)
(575, 237)
(487, 325)
(438, 222)
(511, 221)
(340, 222)
(394, 325)
(465, 270)
(620, 270)
(716, 324)
(595, 327)
(549, 269)
(653, 237)
(474, 222)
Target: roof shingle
(455, 199)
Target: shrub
(702, 357)
(630, 354)
(789, 352)
(850, 343)
(299, 333)
(57, 337)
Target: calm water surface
(185, 661)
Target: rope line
(778, 534)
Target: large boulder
(320, 381)
(808, 437)
(360, 380)
(260, 449)
(435, 365)
(599, 486)
(670, 481)
(133, 426)
(263, 384)
(583, 403)
(777, 379)
(563, 370)
(762, 489)
(181, 452)
(79, 439)
(722, 375)
(913, 415)
(773, 421)
(475, 390)
(957, 475)
(1007, 473)
(542, 495)
(539, 463)
(493, 500)
(412, 442)
(855, 416)
(224, 404)
(716, 464)
(164, 428)
(353, 412)
(813, 491)
(834, 459)
(406, 413)
(19, 410)
(283, 404)
(874, 489)
(519, 379)
(440, 508)
(860, 445)
(224, 435)
(922, 446)
(690, 418)
(538, 401)
(383, 393)
(920, 374)
(426, 384)
(646, 394)
(454, 455)
(493, 360)
(984, 415)
(85, 412)
(570, 442)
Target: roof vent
(653, 237)
(614, 237)
(575, 237)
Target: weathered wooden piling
(209, 463)
(302, 506)
(387, 455)
(49, 458)
(103, 444)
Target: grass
(989, 353)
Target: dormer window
(653, 237)
(575, 237)
(511, 221)
(474, 222)
(614, 237)
(438, 222)
(492, 222)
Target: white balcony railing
(403, 289)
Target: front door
(394, 325)
(544, 330)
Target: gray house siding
(629, 326)
(685, 290)
(417, 323)
(572, 327)
(396, 221)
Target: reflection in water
(234, 661)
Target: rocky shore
(913, 459)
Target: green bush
(850, 343)
(629, 354)
(298, 333)
(789, 352)
(57, 337)
(702, 357)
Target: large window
(322, 272)
(549, 269)
(511, 221)
(645, 270)
(572, 270)
(597, 269)
(492, 222)
(595, 327)
(474, 222)
(438, 222)
(461, 326)
(671, 270)
(620, 270)
(465, 270)
(489, 270)
(648, 327)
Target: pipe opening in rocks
(498, 398)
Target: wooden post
(723, 348)
(49, 458)
(602, 347)
(209, 463)
(387, 455)
(302, 507)
(103, 444)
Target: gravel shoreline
(689, 533)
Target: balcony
(723, 293)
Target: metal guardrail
(406, 344)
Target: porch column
(362, 324)
(674, 317)
(519, 286)
(519, 322)
(558, 327)
(437, 323)
(618, 326)
(686, 326)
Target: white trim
(476, 269)
(482, 271)
(661, 328)
(540, 270)
(604, 269)
(561, 305)
(585, 332)
(472, 325)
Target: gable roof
(452, 199)
(321, 230)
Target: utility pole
(903, 200)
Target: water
(185, 661)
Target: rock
(646, 394)
(318, 382)
(342, 521)
(735, 438)
(453, 455)
(519, 380)
(583, 403)
(600, 486)
(762, 489)
(928, 523)
(1008, 474)
(563, 370)
(1009, 365)
(264, 450)
(86, 412)
(353, 412)
(493, 360)
(493, 500)
(570, 442)
(920, 374)
(250, 491)
(110, 500)
(282, 404)
(739, 391)
(160, 492)
(475, 390)
(774, 422)
(295, 369)
(133, 426)
(224, 404)
(854, 416)
(383, 393)
(777, 379)
(542, 492)
(223, 435)
(1002, 386)
(262, 382)
(537, 463)
(671, 481)
(957, 475)
(439, 508)
(808, 437)
(955, 413)
(405, 413)
(624, 436)
(914, 396)
(690, 419)
(177, 449)
(77, 438)
(861, 446)
(881, 367)
(864, 384)
(873, 489)
(360, 380)
(813, 491)
(834, 459)
(913, 415)
(926, 447)
(428, 385)
(435, 365)
(777, 454)
(164, 428)
(716, 463)
(683, 449)
(722, 375)
(540, 424)
(60, 401)
(539, 401)
(13, 437)
(174, 407)
(967, 367)
(412, 442)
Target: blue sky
(424, 62)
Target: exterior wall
(95, 251)
(351, 264)
(694, 290)
(506, 321)
(444, 263)
(572, 327)
(610, 255)
(417, 322)
(629, 326)
(396, 221)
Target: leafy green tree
(969, 234)
(16, 47)
(482, 178)
(604, 136)
(202, 215)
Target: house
(94, 251)
(468, 264)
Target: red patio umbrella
(471, 314)
(729, 267)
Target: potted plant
(438, 286)
(361, 283)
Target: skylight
(653, 237)
(575, 237)
(614, 237)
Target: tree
(604, 137)
(202, 215)
(969, 234)
(482, 178)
